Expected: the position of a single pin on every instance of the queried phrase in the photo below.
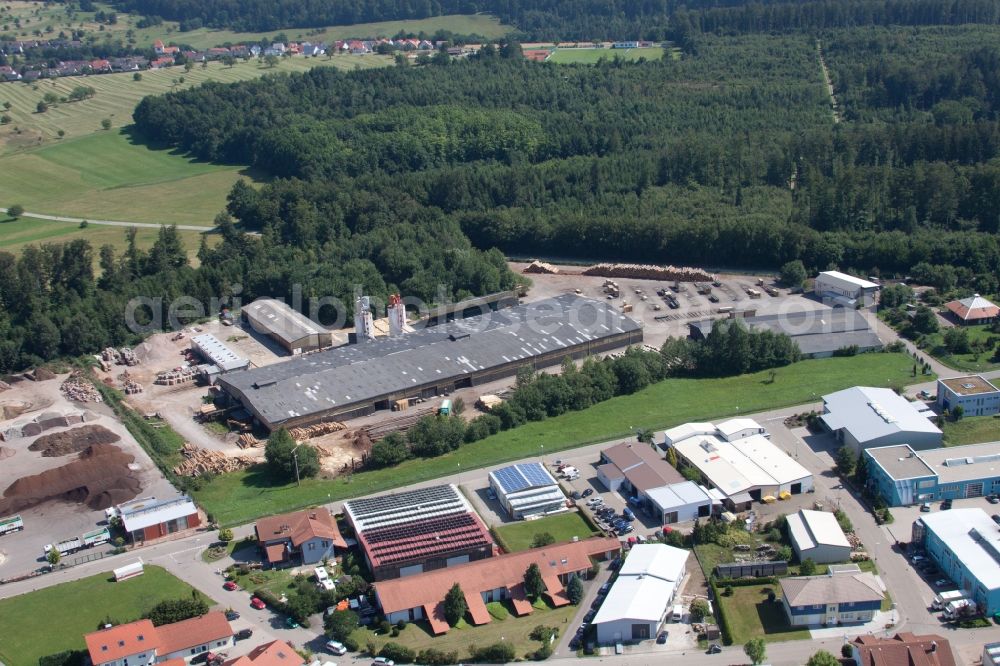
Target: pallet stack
(175, 376)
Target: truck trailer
(67, 547)
(11, 524)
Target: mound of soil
(13, 408)
(73, 441)
(98, 478)
(6, 453)
(43, 374)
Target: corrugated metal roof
(869, 413)
(350, 374)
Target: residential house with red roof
(275, 653)
(309, 535)
(903, 649)
(139, 643)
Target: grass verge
(971, 430)
(562, 527)
(243, 496)
(585, 56)
(56, 618)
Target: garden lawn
(417, 635)
(243, 496)
(590, 56)
(971, 430)
(751, 615)
(563, 527)
(934, 345)
(56, 618)
(275, 581)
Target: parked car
(243, 634)
(996, 518)
(576, 495)
(257, 603)
(291, 623)
(925, 507)
(588, 492)
(232, 616)
(604, 589)
(945, 505)
(627, 514)
(335, 647)
(491, 494)
(713, 298)
(941, 582)
(230, 585)
(661, 639)
(382, 661)
(993, 499)
(714, 648)
(595, 501)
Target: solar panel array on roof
(521, 477)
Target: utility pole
(295, 457)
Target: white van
(942, 599)
(678, 613)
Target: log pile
(540, 267)
(248, 441)
(79, 389)
(318, 430)
(200, 461)
(650, 272)
(175, 376)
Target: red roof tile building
(309, 535)
(141, 644)
(421, 597)
(417, 531)
(973, 310)
(903, 649)
(275, 653)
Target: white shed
(816, 535)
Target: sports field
(590, 56)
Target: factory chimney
(364, 327)
(397, 315)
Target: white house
(639, 598)
(816, 535)
(140, 643)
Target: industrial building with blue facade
(974, 394)
(965, 545)
(903, 476)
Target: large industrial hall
(354, 380)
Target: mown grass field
(751, 615)
(972, 362)
(580, 56)
(117, 94)
(971, 430)
(240, 497)
(15, 235)
(54, 619)
(563, 527)
(108, 176)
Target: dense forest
(577, 19)
(409, 177)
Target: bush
(339, 625)
(398, 653)
(542, 539)
(175, 610)
(498, 653)
(846, 651)
(15, 211)
(65, 658)
(225, 535)
(807, 568)
(699, 610)
(434, 657)
(542, 633)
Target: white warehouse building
(845, 289)
(647, 583)
(816, 535)
(527, 490)
(737, 458)
(863, 417)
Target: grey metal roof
(218, 353)
(351, 374)
(814, 331)
(901, 462)
(869, 413)
(269, 315)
